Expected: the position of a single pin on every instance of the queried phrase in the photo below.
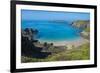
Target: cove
(53, 31)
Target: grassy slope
(81, 22)
(79, 53)
(87, 29)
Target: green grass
(79, 53)
(80, 22)
(87, 29)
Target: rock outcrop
(81, 24)
(84, 25)
(27, 44)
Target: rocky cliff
(82, 24)
(27, 44)
(85, 26)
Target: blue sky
(53, 15)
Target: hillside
(85, 26)
(80, 53)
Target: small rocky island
(34, 51)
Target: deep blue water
(53, 31)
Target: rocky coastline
(32, 48)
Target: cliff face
(85, 26)
(82, 24)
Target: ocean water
(53, 31)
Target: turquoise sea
(53, 31)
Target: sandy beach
(75, 43)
